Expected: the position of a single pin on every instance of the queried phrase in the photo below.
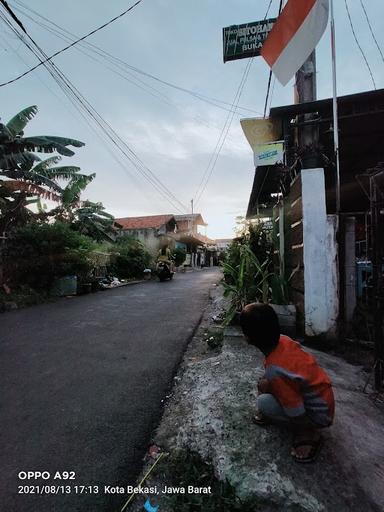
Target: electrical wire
(371, 30)
(267, 95)
(270, 72)
(358, 44)
(48, 59)
(86, 47)
(123, 64)
(268, 9)
(227, 126)
(272, 92)
(88, 111)
(76, 112)
(223, 136)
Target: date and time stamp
(59, 482)
(65, 483)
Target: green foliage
(246, 282)
(92, 220)
(129, 258)
(37, 254)
(279, 290)
(71, 193)
(260, 241)
(184, 468)
(24, 177)
(249, 269)
(179, 255)
(17, 124)
(21, 296)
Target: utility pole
(335, 110)
(377, 203)
(306, 91)
(192, 206)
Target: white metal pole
(335, 108)
(337, 155)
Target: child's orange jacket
(299, 384)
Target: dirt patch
(207, 429)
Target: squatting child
(295, 390)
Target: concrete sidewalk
(215, 401)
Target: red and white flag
(294, 36)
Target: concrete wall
(350, 269)
(332, 290)
(320, 257)
(151, 239)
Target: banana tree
(70, 197)
(24, 177)
(92, 220)
(13, 143)
(248, 281)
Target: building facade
(153, 231)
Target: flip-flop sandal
(316, 446)
(260, 420)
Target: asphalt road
(81, 387)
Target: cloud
(182, 140)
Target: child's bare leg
(306, 438)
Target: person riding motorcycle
(165, 255)
(165, 263)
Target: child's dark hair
(261, 326)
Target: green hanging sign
(245, 41)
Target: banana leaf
(44, 144)
(17, 124)
(30, 189)
(17, 160)
(65, 172)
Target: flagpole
(335, 109)
(337, 156)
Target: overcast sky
(174, 134)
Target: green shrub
(246, 282)
(129, 258)
(37, 254)
(21, 296)
(179, 255)
(183, 468)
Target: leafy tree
(179, 255)
(129, 257)
(92, 220)
(37, 254)
(24, 178)
(245, 282)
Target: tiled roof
(196, 217)
(150, 221)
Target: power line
(371, 29)
(358, 44)
(272, 91)
(42, 62)
(267, 95)
(85, 47)
(270, 72)
(121, 63)
(227, 126)
(86, 110)
(223, 136)
(82, 48)
(76, 95)
(268, 9)
(12, 14)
